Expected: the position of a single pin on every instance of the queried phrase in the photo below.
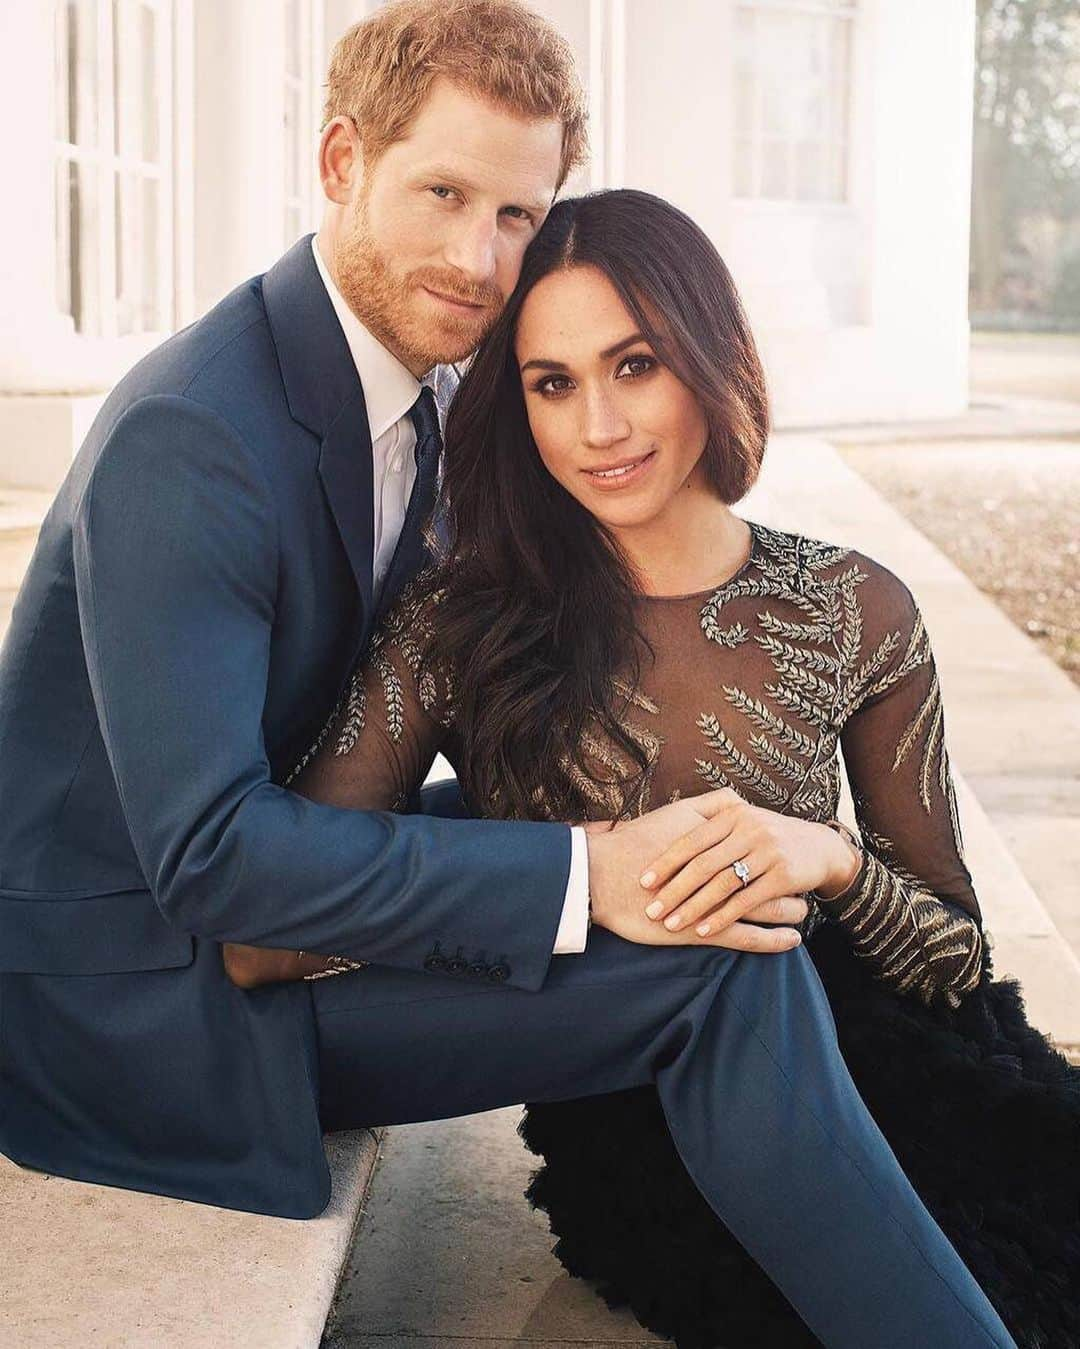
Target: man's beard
(386, 302)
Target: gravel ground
(1006, 512)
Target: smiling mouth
(619, 475)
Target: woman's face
(612, 424)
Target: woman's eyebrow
(541, 363)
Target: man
(245, 505)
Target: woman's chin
(626, 514)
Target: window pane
(744, 168)
(774, 164)
(147, 100)
(808, 175)
(151, 316)
(62, 92)
(293, 39)
(83, 243)
(63, 238)
(121, 100)
(792, 73)
(292, 141)
(82, 72)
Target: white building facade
(158, 152)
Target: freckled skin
(451, 207)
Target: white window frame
(300, 78)
(107, 164)
(842, 143)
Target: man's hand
(620, 854)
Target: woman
(602, 634)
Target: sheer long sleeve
(380, 741)
(910, 911)
(393, 718)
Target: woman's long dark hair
(537, 618)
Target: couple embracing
(456, 476)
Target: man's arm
(176, 562)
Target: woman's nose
(604, 424)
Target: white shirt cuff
(574, 923)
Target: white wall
(860, 307)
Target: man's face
(431, 242)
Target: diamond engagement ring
(741, 870)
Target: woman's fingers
(716, 903)
(685, 849)
(710, 865)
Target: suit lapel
(324, 394)
(345, 469)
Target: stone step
(21, 513)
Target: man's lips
(453, 300)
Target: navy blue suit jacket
(199, 593)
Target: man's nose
(471, 249)
(604, 423)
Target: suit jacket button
(497, 973)
(479, 968)
(457, 963)
(434, 962)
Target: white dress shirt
(390, 390)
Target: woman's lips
(622, 475)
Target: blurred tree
(1026, 152)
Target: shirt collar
(390, 389)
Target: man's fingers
(783, 909)
(747, 937)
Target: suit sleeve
(395, 714)
(176, 561)
(910, 911)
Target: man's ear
(341, 160)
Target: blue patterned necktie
(409, 556)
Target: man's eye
(439, 189)
(518, 213)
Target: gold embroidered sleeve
(393, 717)
(910, 911)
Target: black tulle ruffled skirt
(981, 1110)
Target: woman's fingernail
(672, 921)
(655, 909)
(703, 929)
(647, 879)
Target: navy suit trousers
(742, 1049)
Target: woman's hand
(692, 881)
(618, 853)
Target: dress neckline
(717, 585)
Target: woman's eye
(552, 385)
(637, 365)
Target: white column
(239, 143)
